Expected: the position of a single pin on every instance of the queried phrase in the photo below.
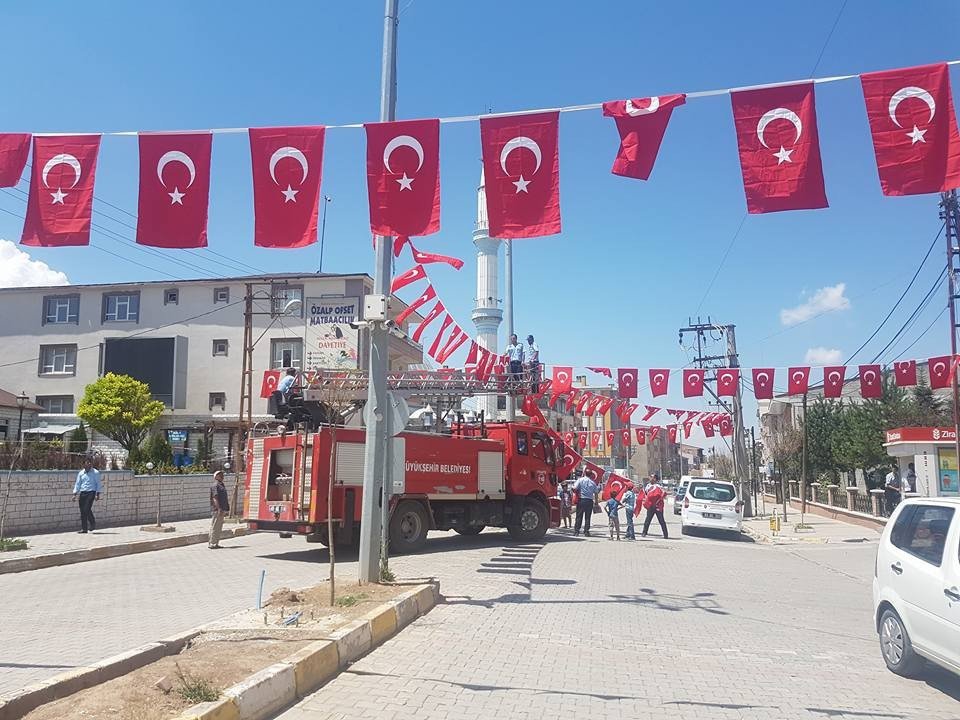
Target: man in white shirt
(531, 359)
(515, 356)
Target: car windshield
(712, 492)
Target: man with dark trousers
(653, 502)
(87, 489)
(586, 490)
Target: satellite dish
(399, 413)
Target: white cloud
(18, 269)
(823, 356)
(825, 299)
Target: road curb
(70, 557)
(765, 539)
(59, 686)
(265, 693)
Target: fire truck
(471, 477)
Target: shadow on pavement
(942, 680)
(842, 712)
(724, 706)
(723, 535)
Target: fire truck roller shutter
(490, 475)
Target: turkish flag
(611, 436)
(672, 433)
(728, 382)
(61, 191)
(562, 379)
(174, 190)
(427, 258)
(641, 123)
(870, 385)
(545, 386)
(601, 371)
(403, 177)
(431, 316)
(447, 322)
(659, 379)
(595, 470)
(457, 338)
(584, 398)
(521, 168)
(625, 436)
(595, 438)
(798, 380)
(571, 458)
(271, 378)
(726, 427)
(583, 439)
(603, 407)
(530, 409)
(641, 434)
(425, 297)
(472, 354)
(14, 149)
(654, 432)
(625, 410)
(707, 426)
(833, 380)
(905, 373)
(914, 129)
(941, 371)
(627, 382)
(417, 272)
(569, 437)
(693, 383)
(287, 169)
(763, 383)
(592, 405)
(779, 148)
(687, 429)
(650, 412)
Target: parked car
(916, 586)
(711, 504)
(681, 491)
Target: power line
(829, 36)
(919, 308)
(923, 334)
(722, 261)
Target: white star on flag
(405, 182)
(521, 184)
(58, 196)
(917, 135)
(176, 197)
(783, 156)
(290, 195)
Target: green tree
(78, 441)
(858, 440)
(155, 449)
(121, 408)
(823, 422)
(930, 409)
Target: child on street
(612, 507)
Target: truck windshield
(544, 449)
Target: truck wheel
(408, 527)
(533, 524)
(469, 530)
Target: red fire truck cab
(497, 475)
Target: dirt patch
(223, 655)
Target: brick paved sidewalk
(822, 530)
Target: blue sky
(635, 258)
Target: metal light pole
(159, 527)
(21, 403)
(508, 311)
(323, 229)
(375, 485)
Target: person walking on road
(219, 506)
(891, 490)
(586, 489)
(653, 502)
(87, 489)
(613, 517)
(629, 500)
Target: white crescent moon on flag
(798, 376)
(939, 367)
(903, 366)
(519, 142)
(778, 114)
(658, 378)
(62, 159)
(288, 152)
(869, 376)
(562, 377)
(833, 377)
(693, 379)
(762, 378)
(633, 110)
(627, 378)
(910, 91)
(726, 378)
(180, 157)
(403, 141)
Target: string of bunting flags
(909, 110)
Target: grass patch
(195, 689)
(351, 600)
(8, 544)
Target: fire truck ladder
(319, 385)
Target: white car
(916, 586)
(711, 504)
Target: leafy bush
(78, 440)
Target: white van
(916, 586)
(682, 490)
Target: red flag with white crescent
(14, 150)
(472, 354)
(649, 413)
(562, 379)
(641, 123)
(625, 436)
(763, 383)
(641, 436)
(582, 439)
(611, 436)
(726, 426)
(569, 437)
(870, 385)
(687, 429)
(941, 371)
(603, 407)
(417, 272)
(457, 338)
(654, 433)
(627, 382)
(271, 378)
(521, 168)
(728, 382)
(914, 129)
(626, 410)
(693, 383)
(426, 258)
(798, 380)
(447, 322)
(60, 203)
(833, 380)
(707, 426)
(430, 317)
(601, 371)
(591, 407)
(571, 458)
(174, 190)
(659, 379)
(595, 439)
(672, 433)
(425, 297)
(287, 172)
(905, 373)
(403, 177)
(779, 148)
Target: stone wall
(42, 501)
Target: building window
(61, 309)
(282, 294)
(56, 404)
(220, 348)
(501, 402)
(58, 360)
(4, 428)
(171, 296)
(221, 295)
(218, 399)
(286, 353)
(121, 307)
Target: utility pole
(803, 464)
(376, 484)
(245, 402)
(949, 215)
(508, 311)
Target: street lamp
(21, 403)
(158, 527)
(323, 229)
